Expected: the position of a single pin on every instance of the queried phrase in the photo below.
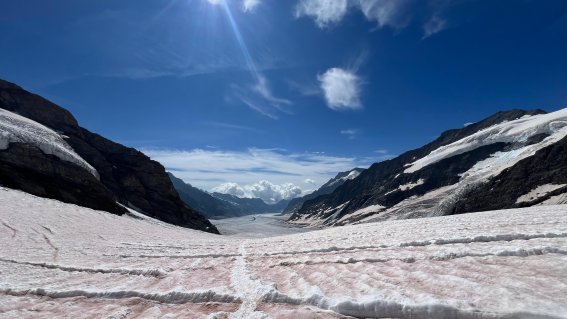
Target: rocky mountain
(205, 203)
(327, 188)
(45, 152)
(253, 205)
(218, 205)
(511, 159)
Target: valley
(257, 226)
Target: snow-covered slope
(327, 188)
(493, 164)
(52, 144)
(18, 129)
(553, 125)
(59, 260)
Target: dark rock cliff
(131, 177)
(379, 184)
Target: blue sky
(285, 91)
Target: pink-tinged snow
(60, 260)
(554, 124)
(18, 129)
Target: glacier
(62, 260)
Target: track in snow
(507, 264)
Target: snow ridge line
(480, 239)
(387, 309)
(172, 297)
(159, 273)
(450, 256)
(14, 231)
(175, 256)
(483, 239)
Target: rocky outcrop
(548, 166)
(131, 177)
(204, 202)
(327, 188)
(27, 168)
(387, 185)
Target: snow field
(61, 260)
(18, 129)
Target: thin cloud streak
(205, 167)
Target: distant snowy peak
(511, 159)
(342, 177)
(327, 188)
(18, 129)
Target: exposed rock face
(204, 202)
(327, 188)
(387, 186)
(129, 175)
(25, 167)
(219, 205)
(253, 205)
(547, 167)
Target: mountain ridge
(126, 174)
(397, 188)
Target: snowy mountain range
(102, 236)
(327, 188)
(511, 159)
(217, 205)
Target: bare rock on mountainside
(511, 159)
(25, 167)
(327, 188)
(131, 177)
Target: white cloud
(396, 14)
(265, 190)
(309, 181)
(324, 12)
(249, 5)
(328, 12)
(391, 13)
(341, 89)
(208, 168)
(434, 25)
(351, 133)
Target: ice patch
(18, 129)
(538, 192)
(409, 186)
(519, 130)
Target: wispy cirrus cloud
(350, 133)
(259, 97)
(209, 168)
(250, 5)
(434, 25)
